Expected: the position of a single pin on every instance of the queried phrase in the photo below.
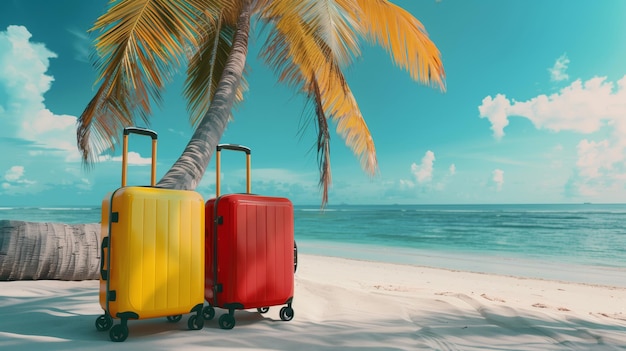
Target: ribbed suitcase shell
(250, 259)
(155, 259)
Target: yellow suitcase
(152, 252)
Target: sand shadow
(46, 320)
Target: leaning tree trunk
(71, 252)
(30, 250)
(189, 169)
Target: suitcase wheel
(175, 319)
(118, 333)
(104, 322)
(195, 322)
(226, 321)
(263, 310)
(286, 313)
(208, 313)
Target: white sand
(344, 305)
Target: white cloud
(579, 107)
(406, 184)
(557, 72)
(497, 176)
(84, 184)
(15, 177)
(281, 175)
(267, 181)
(134, 159)
(14, 173)
(582, 107)
(276, 180)
(105, 158)
(23, 83)
(423, 181)
(496, 111)
(177, 132)
(600, 171)
(424, 171)
(82, 43)
(596, 159)
(262, 182)
(452, 169)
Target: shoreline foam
(472, 262)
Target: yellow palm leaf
(339, 103)
(302, 58)
(405, 38)
(334, 22)
(329, 21)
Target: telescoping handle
(140, 131)
(233, 147)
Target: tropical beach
(476, 207)
(345, 304)
(380, 297)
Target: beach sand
(343, 304)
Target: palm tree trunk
(189, 169)
(58, 251)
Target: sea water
(568, 241)
(572, 242)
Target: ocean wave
(317, 210)
(7, 208)
(65, 208)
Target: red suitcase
(250, 253)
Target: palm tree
(33, 250)
(142, 44)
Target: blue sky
(535, 112)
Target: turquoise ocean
(571, 242)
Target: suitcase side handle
(233, 147)
(140, 131)
(105, 245)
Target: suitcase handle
(233, 147)
(103, 272)
(140, 131)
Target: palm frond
(335, 23)
(291, 48)
(339, 103)
(303, 59)
(405, 38)
(323, 141)
(312, 24)
(205, 68)
(142, 43)
(109, 100)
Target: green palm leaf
(206, 66)
(142, 44)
